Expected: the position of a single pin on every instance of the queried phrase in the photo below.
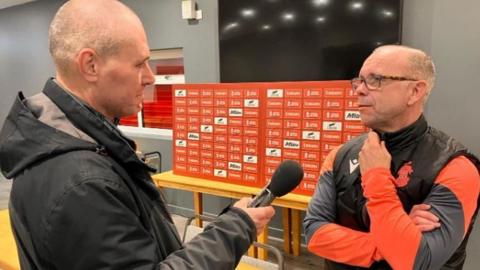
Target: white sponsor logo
(220, 121)
(273, 152)
(291, 144)
(334, 126)
(333, 104)
(220, 173)
(250, 159)
(236, 166)
(252, 103)
(206, 128)
(353, 165)
(274, 93)
(311, 135)
(309, 186)
(180, 93)
(308, 175)
(193, 136)
(181, 143)
(292, 124)
(235, 112)
(352, 115)
(311, 114)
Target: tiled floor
(305, 261)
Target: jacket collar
(405, 137)
(93, 124)
(402, 143)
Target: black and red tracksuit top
(361, 221)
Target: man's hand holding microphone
(285, 178)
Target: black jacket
(81, 199)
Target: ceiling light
(387, 13)
(288, 16)
(318, 3)
(231, 26)
(248, 12)
(357, 5)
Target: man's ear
(88, 64)
(418, 92)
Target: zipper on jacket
(101, 150)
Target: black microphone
(285, 178)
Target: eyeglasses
(374, 81)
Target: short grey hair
(421, 66)
(72, 30)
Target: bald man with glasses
(403, 196)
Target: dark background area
(321, 39)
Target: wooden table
(291, 205)
(8, 248)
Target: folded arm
(453, 199)
(330, 240)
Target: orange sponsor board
(293, 93)
(234, 148)
(180, 110)
(273, 133)
(241, 132)
(292, 134)
(206, 93)
(292, 114)
(293, 104)
(234, 175)
(206, 154)
(251, 168)
(252, 93)
(206, 120)
(250, 131)
(207, 163)
(311, 156)
(311, 175)
(180, 127)
(250, 177)
(193, 102)
(334, 92)
(291, 154)
(206, 171)
(235, 131)
(236, 93)
(206, 102)
(180, 167)
(331, 104)
(249, 112)
(310, 92)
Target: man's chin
(131, 112)
(367, 122)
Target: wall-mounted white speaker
(188, 9)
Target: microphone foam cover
(286, 177)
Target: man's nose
(149, 77)
(361, 89)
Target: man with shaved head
(81, 198)
(403, 196)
